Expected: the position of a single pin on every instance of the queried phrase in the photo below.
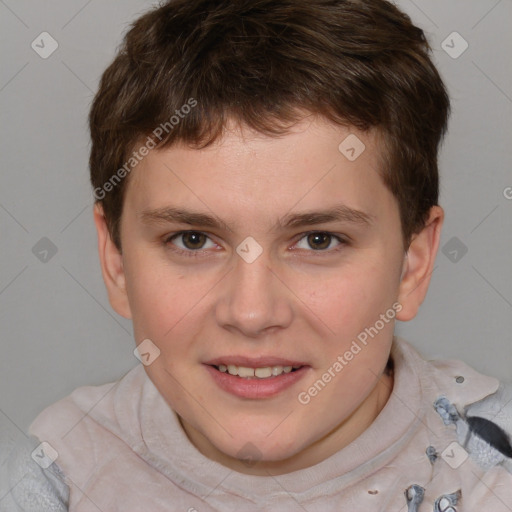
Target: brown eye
(190, 242)
(321, 241)
(193, 240)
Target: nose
(253, 299)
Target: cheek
(349, 300)
(158, 297)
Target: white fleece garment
(121, 448)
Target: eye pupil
(316, 238)
(195, 239)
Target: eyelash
(198, 253)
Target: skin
(300, 299)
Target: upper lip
(254, 362)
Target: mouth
(261, 372)
(256, 378)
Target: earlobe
(111, 261)
(419, 264)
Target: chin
(256, 445)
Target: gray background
(58, 330)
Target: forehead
(316, 163)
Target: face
(260, 253)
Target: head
(253, 116)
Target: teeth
(263, 373)
(260, 373)
(245, 372)
(277, 370)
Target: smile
(256, 382)
(252, 373)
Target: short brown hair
(263, 63)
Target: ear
(111, 266)
(419, 264)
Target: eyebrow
(338, 213)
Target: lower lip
(255, 387)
